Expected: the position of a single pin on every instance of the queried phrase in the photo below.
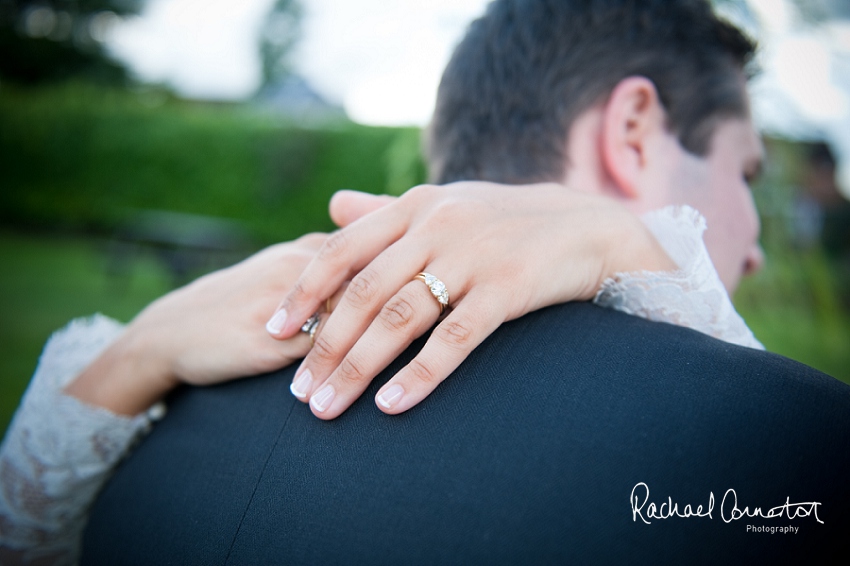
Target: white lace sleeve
(693, 296)
(58, 451)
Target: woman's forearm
(61, 449)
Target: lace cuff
(692, 296)
(59, 451)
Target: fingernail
(391, 396)
(301, 385)
(321, 400)
(275, 323)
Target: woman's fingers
(364, 298)
(450, 343)
(343, 253)
(347, 206)
(405, 317)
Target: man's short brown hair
(528, 68)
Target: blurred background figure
(143, 142)
(821, 212)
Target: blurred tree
(49, 40)
(279, 34)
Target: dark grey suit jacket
(548, 445)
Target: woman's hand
(209, 331)
(502, 251)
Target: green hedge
(78, 159)
(83, 159)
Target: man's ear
(631, 119)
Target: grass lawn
(47, 280)
(793, 307)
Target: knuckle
(299, 293)
(397, 314)
(421, 193)
(421, 371)
(458, 208)
(323, 350)
(455, 332)
(312, 240)
(351, 372)
(334, 247)
(363, 288)
(449, 206)
(418, 191)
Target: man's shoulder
(590, 340)
(528, 452)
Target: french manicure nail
(321, 400)
(391, 396)
(301, 385)
(276, 322)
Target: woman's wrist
(633, 249)
(125, 378)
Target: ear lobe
(632, 116)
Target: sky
(804, 90)
(382, 59)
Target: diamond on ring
(437, 288)
(311, 326)
(311, 322)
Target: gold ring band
(313, 330)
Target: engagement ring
(437, 288)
